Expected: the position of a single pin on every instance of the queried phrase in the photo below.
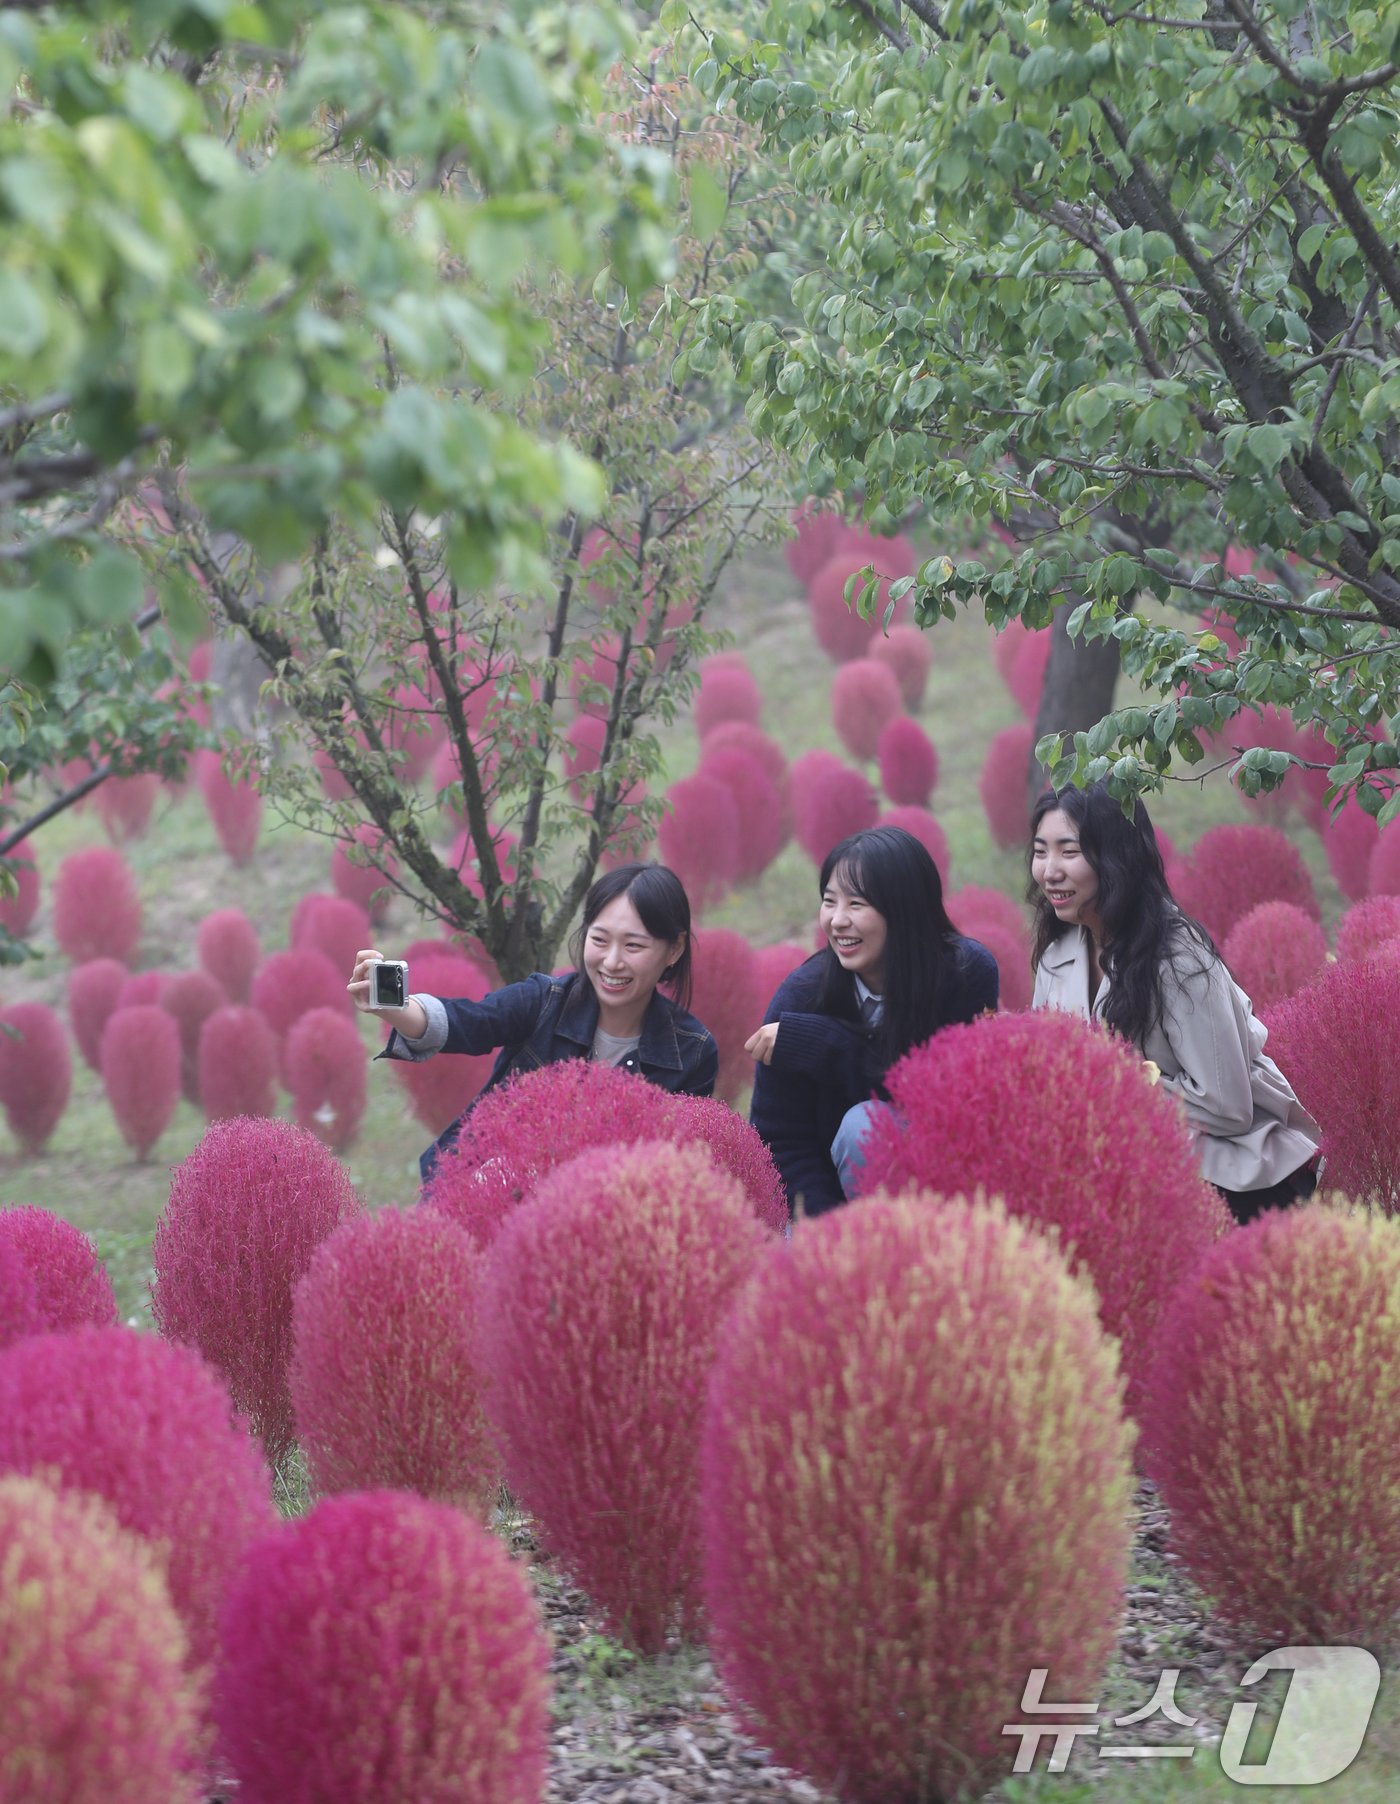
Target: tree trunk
(1080, 679)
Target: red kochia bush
(1273, 951)
(1364, 929)
(1099, 1153)
(327, 1075)
(727, 692)
(384, 1380)
(141, 1073)
(236, 1066)
(1349, 838)
(247, 1209)
(516, 1134)
(760, 817)
(36, 1072)
(915, 1488)
(368, 884)
(383, 1649)
(975, 902)
(1003, 785)
(907, 651)
(865, 698)
(773, 963)
(124, 805)
(922, 826)
(1013, 955)
(235, 806)
(228, 949)
(829, 802)
(19, 1300)
(148, 1428)
(726, 998)
(601, 1310)
(1335, 1041)
(818, 531)
(190, 998)
(140, 988)
(740, 736)
(1272, 1424)
(71, 1286)
(440, 1088)
(1026, 676)
(331, 925)
(94, 1697)
(290, 984)
(1232, 869)
(699, 837)
(841, 631)
(17, 912)
(908, 762)
(1384, 868)
(96, 911)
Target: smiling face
(1066, 878)
(624, 964)
(855, 930)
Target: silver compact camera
(388, 983)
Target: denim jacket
(546, 1019)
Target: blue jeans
(848, 1148)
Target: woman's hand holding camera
(411, 1019)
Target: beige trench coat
(1251, 1130)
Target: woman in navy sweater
(893, 972)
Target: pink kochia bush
(236, 1066)
(384, 1378)
(865, 698)
(699, 837)
(727, 692)
(366, 883)
(517, 1134)
(1384, 869)
(726, 998)
(190, 998)
(1004, 786)
(1274, 951)
(234, 804)
(1367, 927)
(1272, 1425)
(1349, 838)
(908, 762)
(915, 1488)
(149, 1429)
(840, 629)
(830, 801)
(93, 989)
(247, 1209)
(71, 1286)
(1232, 869)
(1099, 1154)
(36, 1072)
(333, 926)
(141, 1073)
(17, 912)
(289, 984)
(95, 1699)
(1335, 1042)
(124, 805)
(380, 1650)
(909, 655)
(328, 1076)
(440, 1088)
(921, 824)
(19, 1299)
(601, 1310)
(96, 911)
(761, 820)
(228, 950)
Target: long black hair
(895, 874)
(1143, 928)
(659, 897)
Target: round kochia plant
(915, 1488)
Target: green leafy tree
(1125, 277)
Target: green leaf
(709, 201)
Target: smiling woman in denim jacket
(635, 936)
(1111, 944)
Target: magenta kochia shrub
(1004, 785)
(726, 998)
(908, 762)
(865, 698)
(699, 837)
(1366, 927)
(1273, 951)
(17, 912)
(439, 1089)
(841, 631)
(19, 1298)
(96, 911)
(517, 1134)
(331, 925)
(915, 1488)
(1383, 871)
(234, 804)
(1232, 869)
(228, 950)
(1273, 1419)
(71, 1286)
(830, 800)
(1349, 838)
(773, 963)
(909, 654)
(95, 1697)
(124, 805)
(1335, 1042)
(149, 1429)
(368, 882)
(190, 998)
(380, 1650)
(761, 819)
(384, 1381)
(236, 1066)
(1099, 1154)
(247, 1209)
(818, 531)
(601, 1311)
(921, 824)
(727, 692)
(141, 1073)
(36, 1072)
(328, 1075)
